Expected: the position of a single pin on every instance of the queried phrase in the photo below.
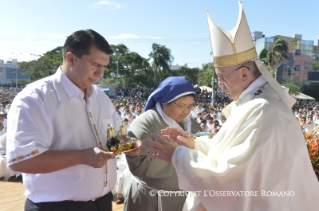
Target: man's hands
(163, 150)
(179, 136)
(97, 157)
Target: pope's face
(179, 109)
(228, 79)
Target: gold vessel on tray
(116, 144)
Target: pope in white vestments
(259, 159)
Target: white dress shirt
(51, 114)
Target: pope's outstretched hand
(179, 136)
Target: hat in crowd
(236, 47)
(169, 90)
(2, 113)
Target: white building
(10, 72)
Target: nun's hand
(162, 150)
(179, 136)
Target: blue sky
(37, 26)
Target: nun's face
(179, 109)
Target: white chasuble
(257, 161)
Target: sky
(30, 28)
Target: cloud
(26, 45)
(154, 38)
(124, 37)
(106, 5)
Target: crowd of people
(142, 93)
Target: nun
(155, 184)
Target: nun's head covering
(169, 90)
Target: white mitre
(237, 46)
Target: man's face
(223, 119)
(309, 119)
(303, 121)
(203, 126)
(88, 69)
(229, 80)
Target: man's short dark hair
(80, 43)
(203, 121)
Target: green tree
(190, 74)
(127, 65)
(44, 66)
(162, 59)
(315, 66)
(293, 89)
(278, 51)
(206, 75)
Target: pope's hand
(163, 150)
(179, 136)
(97, 157)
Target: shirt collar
(71, 89)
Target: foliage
(129, 68)
(293, 89)
(162, 59)
(278, 51)
(272, 72)
(46, 65)
(315, 66)
(206, 75)
(127, 64)
(191, 74)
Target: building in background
(10, 72)
(300, 53)
(316, 52)
(175, 67)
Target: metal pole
(17, 73)
(117, 73)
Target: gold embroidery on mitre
(229, 60)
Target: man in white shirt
(197, 110)
(57, 132)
